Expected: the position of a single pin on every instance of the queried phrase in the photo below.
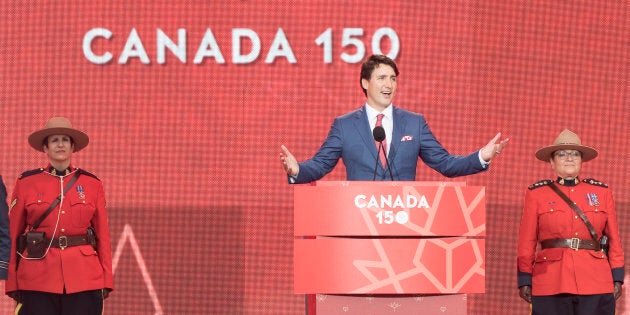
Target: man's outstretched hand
(493, 148)
(289, 163)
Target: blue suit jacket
(5, 238)
(350, 138)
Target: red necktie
(381, 153)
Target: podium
(406, 247)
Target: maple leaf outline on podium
(394, 278)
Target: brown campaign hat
(58, 126)
(567, 140)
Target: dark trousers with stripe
(571, 304)
(45, 303)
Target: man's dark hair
(372, 63)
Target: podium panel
(389, 266)
(386, 210)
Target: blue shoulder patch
(84, 172)
(31, 172)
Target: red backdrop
(186, 138)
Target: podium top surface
(385, 183)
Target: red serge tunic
(77, 268)
(563, 270)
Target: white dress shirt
(388, 123)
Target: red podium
(401, 246)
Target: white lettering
(246, 46)
(350, 38)
(325, 39)
(386, 32)
(412, 201)
(386, 201)
(359, 201)
(280, 43)
(372, 203)
(87, 46)
(423, 203)
(398, 203)
(237, 35)
(210, 42)
(391, 202)
(134, 48)
(163, 42)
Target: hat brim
(545, 153)
(80, 139)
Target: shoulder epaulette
(539, 184)
(594, 182)
(84, 172)
(31, 172)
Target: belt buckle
(63, 244)
(575, 243)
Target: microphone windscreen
(378, 133)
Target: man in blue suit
(407, 137)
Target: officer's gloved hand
(16, 295)
(525, 292)
(617, 290)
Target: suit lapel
(362, 125)
(397, 133)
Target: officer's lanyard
(56, 201)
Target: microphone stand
(378, 152)
(391, 176)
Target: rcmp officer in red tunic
(70, 272)
(570, 259)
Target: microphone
(379, 135)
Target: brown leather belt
(572, 243)
(69, 241)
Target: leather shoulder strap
(579, 212)
(56, 201)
